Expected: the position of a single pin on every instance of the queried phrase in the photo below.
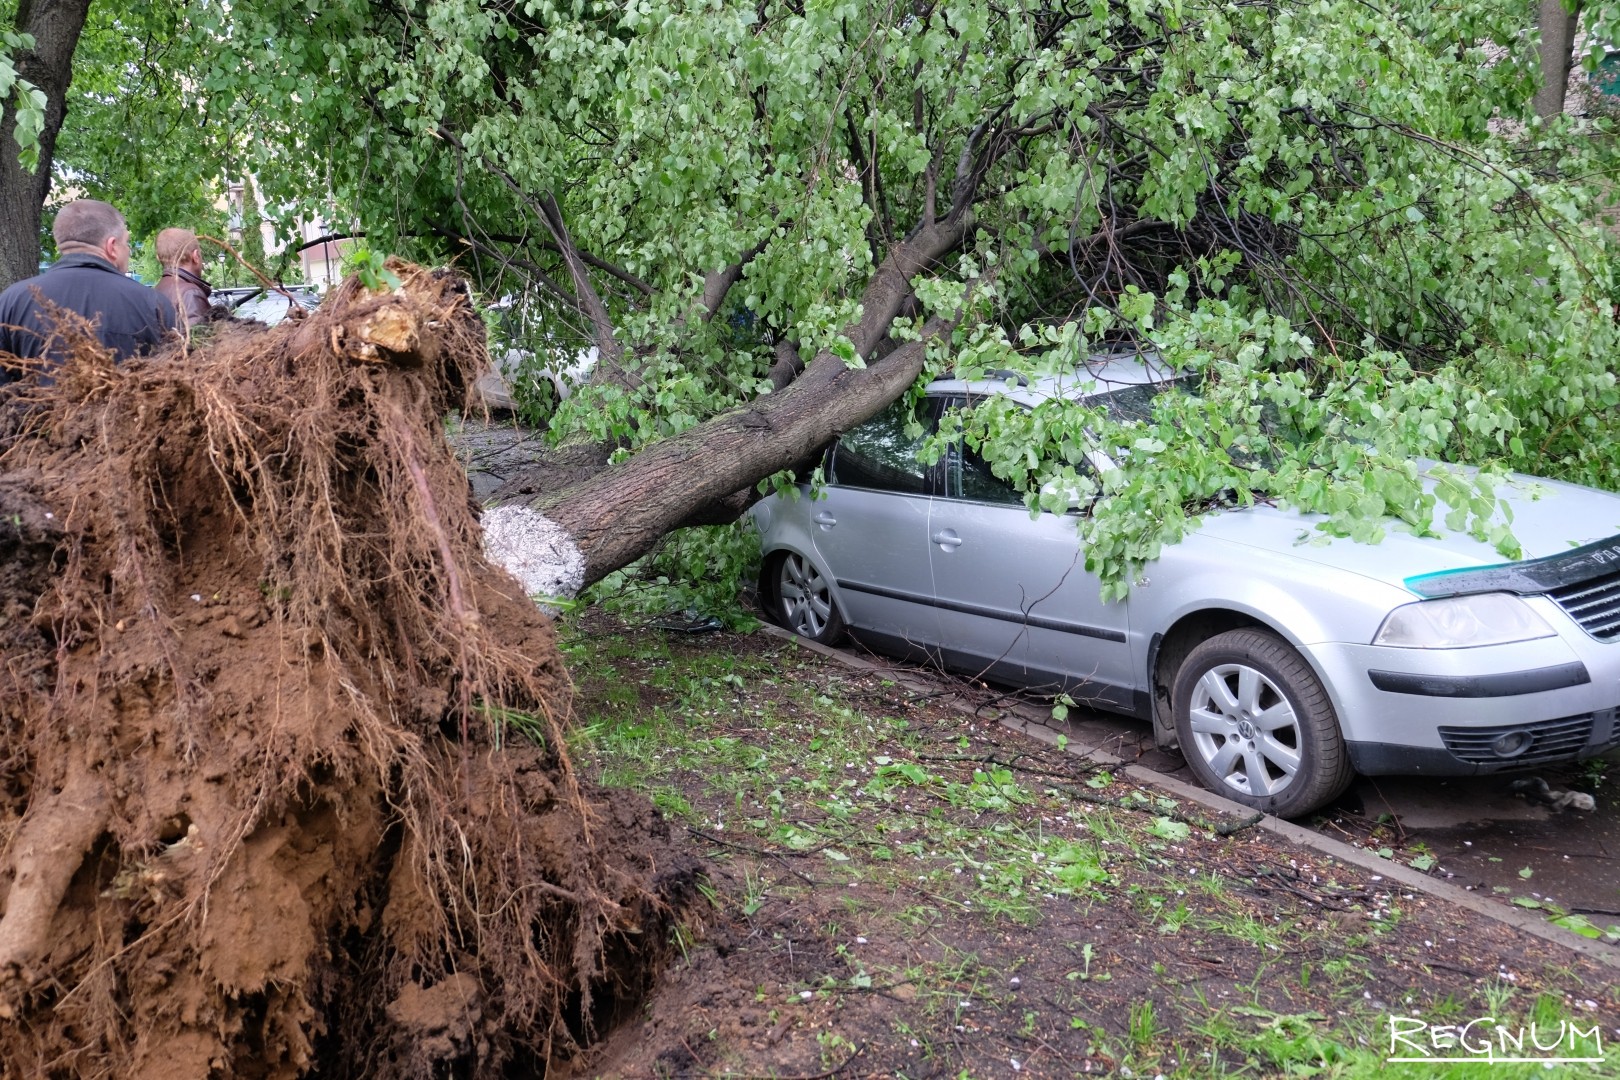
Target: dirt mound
(283, 781)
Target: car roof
(1101, 373)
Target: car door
(1015, 601)
(871, 528)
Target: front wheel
(801, 599)
(1256, 725)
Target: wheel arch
(765, 588)
(771, 560)
(1167, 650)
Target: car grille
(1595, 604)
(1551, 740)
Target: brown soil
(909, 951)
(261, 813)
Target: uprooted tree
(772, 218)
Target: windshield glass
(1135, 403)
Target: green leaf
(1169, 829)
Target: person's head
(90, 226)
(178, 248)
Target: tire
(801, 599)
(1294, 760)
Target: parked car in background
(265, 305)
(497, 388)
(531, 370)
(1279, 668)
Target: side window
(974, 481)
(970, 477)
(880, 455)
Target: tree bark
(693, 478)
(619, 513)
(55, 25)
(1557, 25)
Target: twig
(1230, 828)
(763, 854)
(1304, 894)
(1030, 770)
(254, 270)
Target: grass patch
(916, 891)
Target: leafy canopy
(1341, 213)
(136, 135)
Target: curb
(1026, 721)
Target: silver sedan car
(1278, 668)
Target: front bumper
(1460, 712)
(1469, 751)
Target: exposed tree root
(45, 853)
(261, 813)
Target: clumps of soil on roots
(284, 789)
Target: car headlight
(1458, 622)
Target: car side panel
(1014, 593)
(1306, 604)
(875, 545)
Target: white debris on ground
(535, 550)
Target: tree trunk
(55, 25)
(617, 515)
(1557, 23)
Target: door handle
(825, 520)
(947, 539)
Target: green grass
(848, 792)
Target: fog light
(1511, 745)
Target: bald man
(182, 281)
(88, 278)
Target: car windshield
(1134, 404)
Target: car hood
(1550, 520)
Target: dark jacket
(187, 292)
(130, 318)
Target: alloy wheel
(806, 597)
(1245, 730)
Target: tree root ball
(284, 789)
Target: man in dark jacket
(93, 243)
(181, 257)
